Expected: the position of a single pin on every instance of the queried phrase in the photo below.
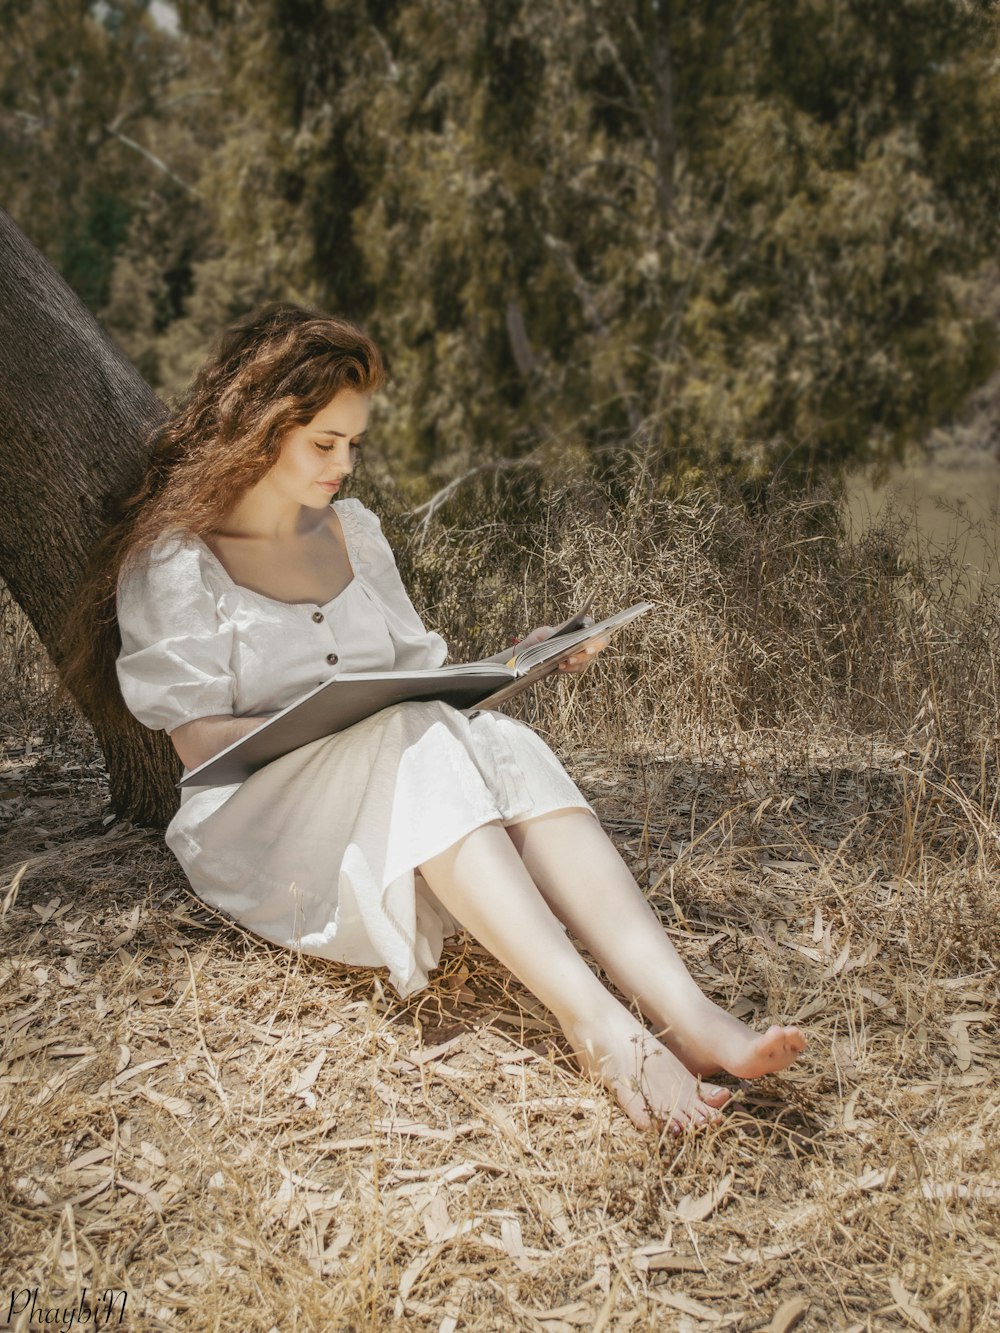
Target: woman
(241, 584)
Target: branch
(430, 507)
(520, 344)
(674, 319)
(728, 37)
(391, 68)
(151, 157)
(606, 42)
(184, 97)
(616, 163)
(147, 108)
(594, 318)
(34, 122)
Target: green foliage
(739, 228)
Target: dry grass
(245, 1139)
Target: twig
(430, 507)
(151, 157)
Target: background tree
(744, 228)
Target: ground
(239, 1138)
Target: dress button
(332, 658)
(317, 616)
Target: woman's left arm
(416, 647)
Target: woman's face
(314, 459)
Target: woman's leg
(483, 882)
(589, 887)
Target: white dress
(318, 850)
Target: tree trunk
(73, 413)
(664, 132)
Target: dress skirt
(318, 850)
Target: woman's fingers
(537, 635)
(581, 660)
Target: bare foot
(708, 1039)
(767, 1052)
(649, 1083)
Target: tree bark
(73, 413)
(664, 131)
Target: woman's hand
(574, 665)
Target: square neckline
(277, 601)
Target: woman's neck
(263, 515)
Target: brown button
(317, 616)
(332, 658)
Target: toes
(714, 1096)
(792, 1042)
(701, 1116)
(635, 1108)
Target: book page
(564, 642)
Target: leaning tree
(73, 414)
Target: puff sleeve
(174, 664)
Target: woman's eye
(328, 448)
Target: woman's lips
(329, 485)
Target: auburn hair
(271, 371)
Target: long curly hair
(272, 371)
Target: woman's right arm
(174, 668)
(204, 737)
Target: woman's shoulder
(363, 530)
(176, 561)
(354, 514)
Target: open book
(352, 696)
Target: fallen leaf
(152, 1153)
(131, 925)
(959, 1034)
(872, 1179)
(145, 1191)
(675, 1300)
(552, 1207)
(414, 1129)
(759, 930)
(880, 1001)
(953, 1189)
(89, 1159)
(126, 1074)
(10, 892)
(303, 1080)
(818, 928)
(513, 1243)
(838, 964)
(810, 1008)
(908, 1306)
(788, 1315)
(843, 1053)
(574, 1314)
(176, 1105)
(671, 1263)
(422, 1054)
(696, 1210)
